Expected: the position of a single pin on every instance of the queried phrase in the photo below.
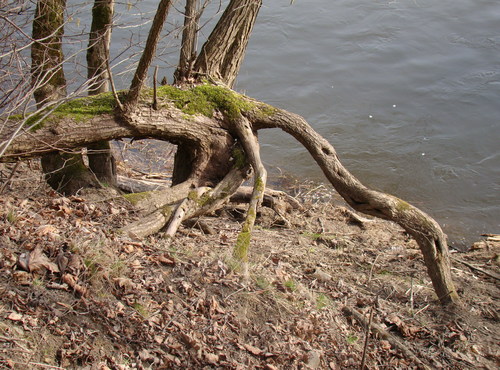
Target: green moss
(322, 301)
(205, 199)
(259, 184)
(85, 108)
(402, 206)
(12, 217)
(201, 100)
(291, 285)
(166, 211)
(135, 198)
(205, 100)
(266, 110)
(239, 157)
(225, 100)
(190, 102)
(240, 252)
(80, 109)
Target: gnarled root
(251, 147)
(182, 204)
(423, 228)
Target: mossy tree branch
(213, 135)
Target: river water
(407, 91)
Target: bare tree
(216, 131)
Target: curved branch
(423, 228)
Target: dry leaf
(212, 358)
(38, 260)
(253, 350)
(46, 229)
(14, 316)
(166, 260)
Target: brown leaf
(46, 229)
(14, 316)
(72, 282)
(253, 350)
(38, 261)
(385, 345)
(166, 260)
(212, 358)
(23, 261)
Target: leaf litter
(75, 294)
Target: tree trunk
(98, 49)
(50, 85)
(221, 56)
(147, 56)
(101, 160)
(188, 45)
(46, 52)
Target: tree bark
(222, 54)
(188, 45)
(147, 56)
(101, 160)
(63, 172)
(98, 48)
(46, 52)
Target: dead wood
(380, 331)
(131, 185)
(277, 200)
(475, 268)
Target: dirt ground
(76, 294)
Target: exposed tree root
(424, 229)
(175, 210)
(279, 201)
(251, 146)
(210, 141)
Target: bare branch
(148, 54)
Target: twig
(411, 294)
(488, 273)
(395, 342)
(10, 177)
(155, 96)
(421, 310)
(371, 269)
(113, 89)
(367, 337)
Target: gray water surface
(408, 92)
